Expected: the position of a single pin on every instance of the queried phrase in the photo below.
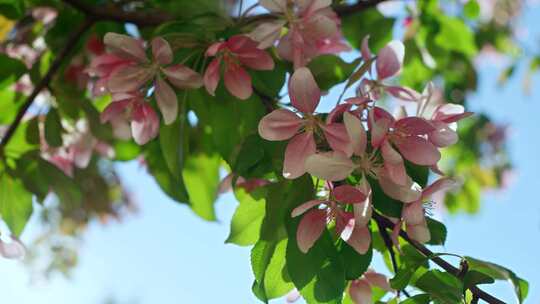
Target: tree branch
(477, 292)
(153, 18)
(71, 43)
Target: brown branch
(477, 292)
(145, 18)
(71, 43)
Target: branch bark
(70, 45)
(382, 221)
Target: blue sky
(165, 254)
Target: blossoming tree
(195, 89)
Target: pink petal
(441, 184)
(450, 112)
(144, 124)
(319, 26)
(299, 148)
(348, 194)
(363, 210)
(161, 50)
(366, 52)
(360, 239)
(357, 133)
(413, 214)
(166, 100)
(377, 279)
(183, 77)
(344, 225)
(129, 78)
(379, 129)
(114, 109)
(280, 124)
(214, 48)
(211, 76)
(305, 207)
(237, 81)
(310, 228)
(443, 136)
(360, 292)
(331, 166)
(303, 90)
(256, 59)
(12, 250)
(405, 193)
(393, 164)
(337, 137)
(419, 232)
(403, 93)
(390, 59)
(241, 44)
(125, 46)
(292, 296)
(267, 33)
(418, 150)
(336, 115)
(414, 126)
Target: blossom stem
(477, 292)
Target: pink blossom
(237, 52)
(317, 213)
(283, 124)
(144, 120)
(132, 77)
(360, 290)
(313, 30)
(248, 185)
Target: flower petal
(280, 124)
(303, 90)
(393, 164)
(390, 59)
(406, 193)
(357, 133)
(414, 126)
(377, 279)
(305, 207)
(144, 124)
(348, 194)
(129, 78)
(310, 228)
(237, 81)
(13, 249)
(413, 214)
(366, 52)
(183, 77)
(330, 166)
(443, 136)
(275, 6)
(256, 59)
(360, 239)
(419, 232)
(161, 50)
(337, 137)
(360, 292)
(267, 33)
(403, 93)
(114, 110)
(125, 46)
(166, 100)
(418, 150)
(211, 76)
(441, 184)
(298, 149)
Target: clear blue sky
(167, 255)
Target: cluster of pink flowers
(361, 139)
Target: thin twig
(69, 46)
(477, 292)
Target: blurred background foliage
(444, 41)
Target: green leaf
(271, 82)
(355, 264)
(455, 35)
(497, 272)
(442, 286)
(247, 219)
(281, 199)
(473, 277)
(15, 203)
(12, 70)
(53, 128)
(417, 299)
(12, 9)
(172, 184)
(268, 264)
(330, 70)
(125, 150)
(438, 232)
(370, 22)
(471, 9)
(171, 140)
(201, 177)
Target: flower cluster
(359, 143)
